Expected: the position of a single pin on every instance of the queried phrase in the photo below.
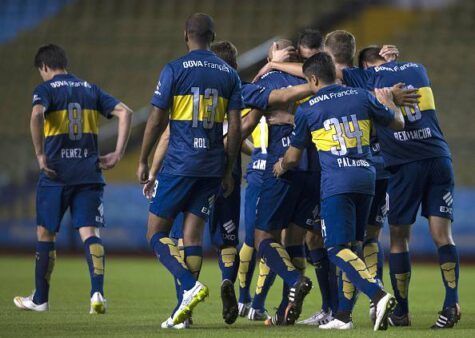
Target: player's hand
(280, 117)
(282, 55)
(405, 96)
(149, 187)
(389, 53)
(142, 173)
(109, 161)
(278, 169)
(266, 69)
(228, 185)
(50, 173)
(384, 95)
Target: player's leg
(265, 280)
(50, 207)
(438, 206)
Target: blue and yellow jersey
(338, 121)
(72, 108)
(422, 137)
(198, 90)
(359, 78)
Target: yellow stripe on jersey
(426, 101)
(182, 109)
(58, 122)
(325, 139)
(260, 135)
(245, 112)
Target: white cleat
(258, 315)
(190, 300)
(98, 304)
(372, 312)
(336, 324)
(384, 308)
(168, 324)
(319, 318)
(243, 309)
(26, 303)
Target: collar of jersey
(328, 88)
(61, 76)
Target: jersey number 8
(210, 94)
(340, 134)
(75, 121)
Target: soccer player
(194, 93)
(420, 163)
(64, 128)
(338, 120)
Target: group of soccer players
(335, 148)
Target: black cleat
(230, 305)
(297, 294)
(402, 320)
(448, 317)
(276, 320)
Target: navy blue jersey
(72, 108)
(356, 77)
(338, 120)
(422, 137)
(197, 89)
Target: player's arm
(288, 95)
(385, 97)
(290, 160)
(292, 68)
(247, 147)
(234, 141)
(124, 115)
(36, 127)
(158, 157)
(405, 96)
(250, 122)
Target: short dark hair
(200, 27)
(341, 45)
(52, 56)
(310, 38)
(321, 65)
(226, 51)
(369, 54)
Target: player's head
(309, 43)
(226, 51)
(282, 44)
(369, 57)
(342, 46)
(199, 30)
(319, 71)
(49, 60)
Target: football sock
(45, 259)
(400, 273)
(193, 259)
(264, 282)
(95, 257)
(346, 294)
(247, 264)
(278, 260)
(168, 254)
(374, 258)
(319, 259)
(297, 257)
(449, 267)
(356, 271)
(333, 272)
(228, 263)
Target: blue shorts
(84, 201)
(225, 217)
(344, 218)
(292, 198)
(175, 194)
(379, 207)
(429, 183)
(250, 209)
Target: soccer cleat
(243, 309)
(230, 306)
(26, 303)
(336, 324)
(403, 320)
(98, 304)
(297, 294)
(384, 309)
(372, 312)
(319, 318)
(276, 320)
(257, 315)
(168, 324)
(190, 300)
(448, 317)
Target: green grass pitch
(141, 294)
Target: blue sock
(247, 264)
(449, 267)
(297, 257)
(356, 272)
(45, 260)
(321, 263)
(346, 294)
(169, 256)
(333, 290)
(228, 263)
(264, 283)
(95, 256)
(374, 258)
(400, 273)
(278, 260)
